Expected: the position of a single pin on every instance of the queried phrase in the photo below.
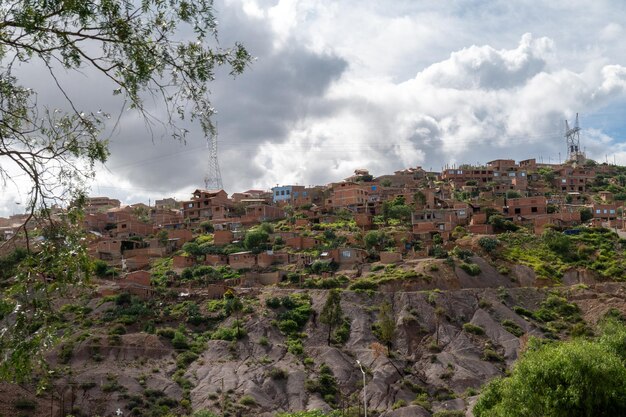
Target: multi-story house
(207, 205)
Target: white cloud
(479, 103)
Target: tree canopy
(165, 51)
(579, 378)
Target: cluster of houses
(527, 193)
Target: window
(305, 193)
(518, 210)
(287, 192)
(346, 254)
(282, 192)
(511, 174)
(277, 192)
(598, 211)
(612, 211)
(533, 209)
(563, 181)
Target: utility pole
(364, 388)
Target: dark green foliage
(342, 333)
(296, 310)
(364, 284)
(320, 266)
(325, 384)
(471, 269)
(474, 329)
(24, 404)
(184, 359)
(256, 240)
(489, 244)
(385, 326)
(331, 314)
(579, 378)
(512, 327)
(449, 413)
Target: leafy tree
(135, 47)
(233, 306)
(579, 378)
(386, 325)
(489, 244)
(193, 249)
(256, 240)
(331, 314)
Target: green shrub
(166, 332)
(449, 413)
(185, 359)
(364, 284)
(277, 374)
(179, 341)
(471, 269)
(512, 328)
(474, 329)
(295, 347)
(24, 404)
(398, 404)
(492, 356)
(247, 401)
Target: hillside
(148, 357)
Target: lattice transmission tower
(572, 138)
(213, 177)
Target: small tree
(332, 315)
(386, 325)
(256, 240)
(233, 306)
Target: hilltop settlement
(219, 304)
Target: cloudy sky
(385, 85)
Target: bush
(364, 284)
(24, 404)
(512, 328)
(578, 378)
(398, 404)
(277, 374)
(471, 269)
(166, 332)
(474, 329)
(185, 359)
(247, 400)
(489, 244)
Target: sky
(381, 85)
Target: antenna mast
(213, 177)
(572, 138)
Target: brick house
(258, 213)
(570, 178)
(242, 260)
(302, 242)
(207, 205)
(223, 237)
(605, 211)
(132, 227)
(100, 204)
(347, 195)
(443, 221)
(345, 257)
(526, 206)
